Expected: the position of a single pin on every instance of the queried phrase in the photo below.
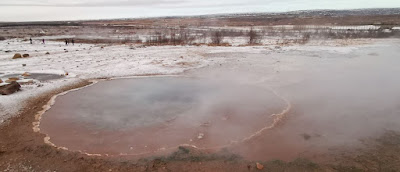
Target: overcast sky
(45, 10)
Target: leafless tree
(173, 38)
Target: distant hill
(354, 12)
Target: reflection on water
(37, 76)
(133, 116)
(336, 103)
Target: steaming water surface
(336, 100)
(135, 116)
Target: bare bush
(254, 37)
(217, 37)
(306, 38)
(171, 37)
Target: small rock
(1, 81)
(259, 166)
(25, 55)
(306, 136)
(26, 74)
(10, 80)
(66, 73)
(206, 124)
(201, 135)
(17, 56)
(8, 51)
(10, 88)
(23, 65)
(47, 53)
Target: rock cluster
(18, 56)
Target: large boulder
(10, 88)
(17, 56)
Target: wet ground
(36, 76)
(147, 115)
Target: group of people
(67, 41)
(30, 39)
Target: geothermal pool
(146, 115)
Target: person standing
(30, 39)
(66, 42)
(73, 42)
(43, 41)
